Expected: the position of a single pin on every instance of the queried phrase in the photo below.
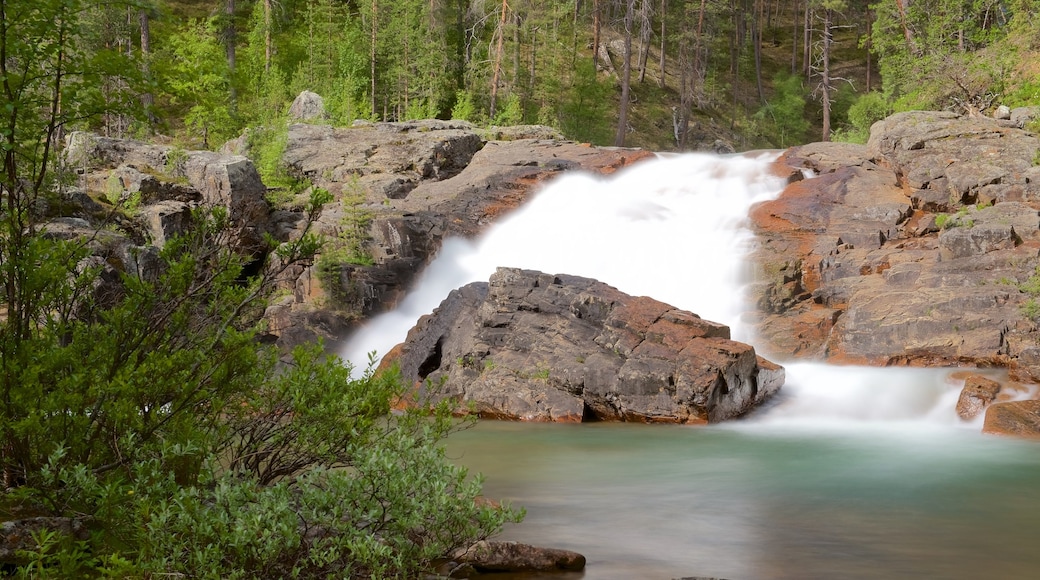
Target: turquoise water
(754, 501)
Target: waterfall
(675, 229)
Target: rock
(232, 181)
(977, 394)
(307, 106)
(1016, 418)
(420, 181)
(166, 220)
(514, 132)
(17, 535)
(1002, 112)
(489, 556)
(908, 251)
(1022, 115)
(415, 182)
(537, 347)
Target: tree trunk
(372, 54)
(806, 40)
(595, 34)
(498, 58)
(147, 99)
(868, 46)
(756, 37)
(908, 35)
(644, 37)
(229, 39)
(268, 47)
(664, 18)
(794, 40)
(826, 76)
(626, 77)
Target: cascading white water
(673, 229)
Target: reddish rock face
(536, 347)
(1017, 418)
(912, 250)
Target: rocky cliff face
(916, 249)
(419, 182)
(416, 183)
(539, 347)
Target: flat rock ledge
(531, 346)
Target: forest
(659, 74)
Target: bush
(190, 448)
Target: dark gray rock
(537, 347)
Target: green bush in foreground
(151, 412)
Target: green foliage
(266, 146)
(943, 54)
(196, 75)
(465, 109)
(865, 111)
(510, 113)
(1031, 287)
(194, 452)
(585, 111)
(784, 115)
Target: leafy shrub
(193, 450)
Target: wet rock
(490, 556)
(977, 394)
(538, 347)
(1016, 418)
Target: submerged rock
(489, 556)
(537, 347)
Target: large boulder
(538, 347)
(141, 175)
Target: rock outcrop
(538, 347)
(400, 188)
(915, 249)
(416, 183)
(164, 183)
